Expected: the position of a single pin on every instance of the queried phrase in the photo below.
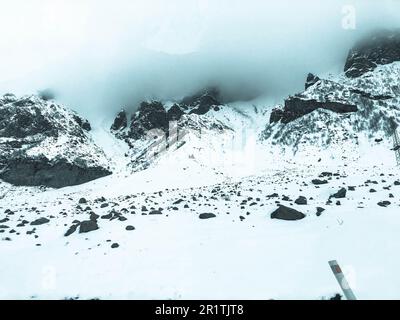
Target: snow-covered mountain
(208, 198)
(44, 144)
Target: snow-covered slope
(201, 204)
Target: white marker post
(348, 293)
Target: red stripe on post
(337, 269)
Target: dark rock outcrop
(154, 115)
(311, 80)
(203, 101)
(288, 214)
(54, 174)
(380, 48)
(150, 116)
(120, 122)
(175, 113)
(296, 108)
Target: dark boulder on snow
(319, 182)
(311, 80)
(71, 230)
(296, 108)
(155, 212)
(380, 48)
(54, 174)
(40, 221)
(82, 201)
(205, 216)
(301, 200)
(319, 211)
(288, 214)
(384, 204)
(88, 226)
(340, 194)
(120, 122)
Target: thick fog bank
(99, 55)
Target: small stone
(319, 211)
(301, 200)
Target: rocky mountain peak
(379, 48)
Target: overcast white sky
(98, 53)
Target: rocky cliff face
(380, 48)
(154, 115)
(296, 108)
(157, 126)
(44, 144)
(363, 101)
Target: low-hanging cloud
(102, 55)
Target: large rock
(340, 194)
(45, 144)
(288, 214)
(205, 216)
(380, 48)
(88, 226)
(296, 108)
(39, 221)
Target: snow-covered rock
(379, 48)
(45, 144)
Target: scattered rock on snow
(204, 216)
(340, 194)
(288, 214)
(319, 211)
(301, 200)
(384, 204)
(88, 226)
(319, 182)
(40, 221)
